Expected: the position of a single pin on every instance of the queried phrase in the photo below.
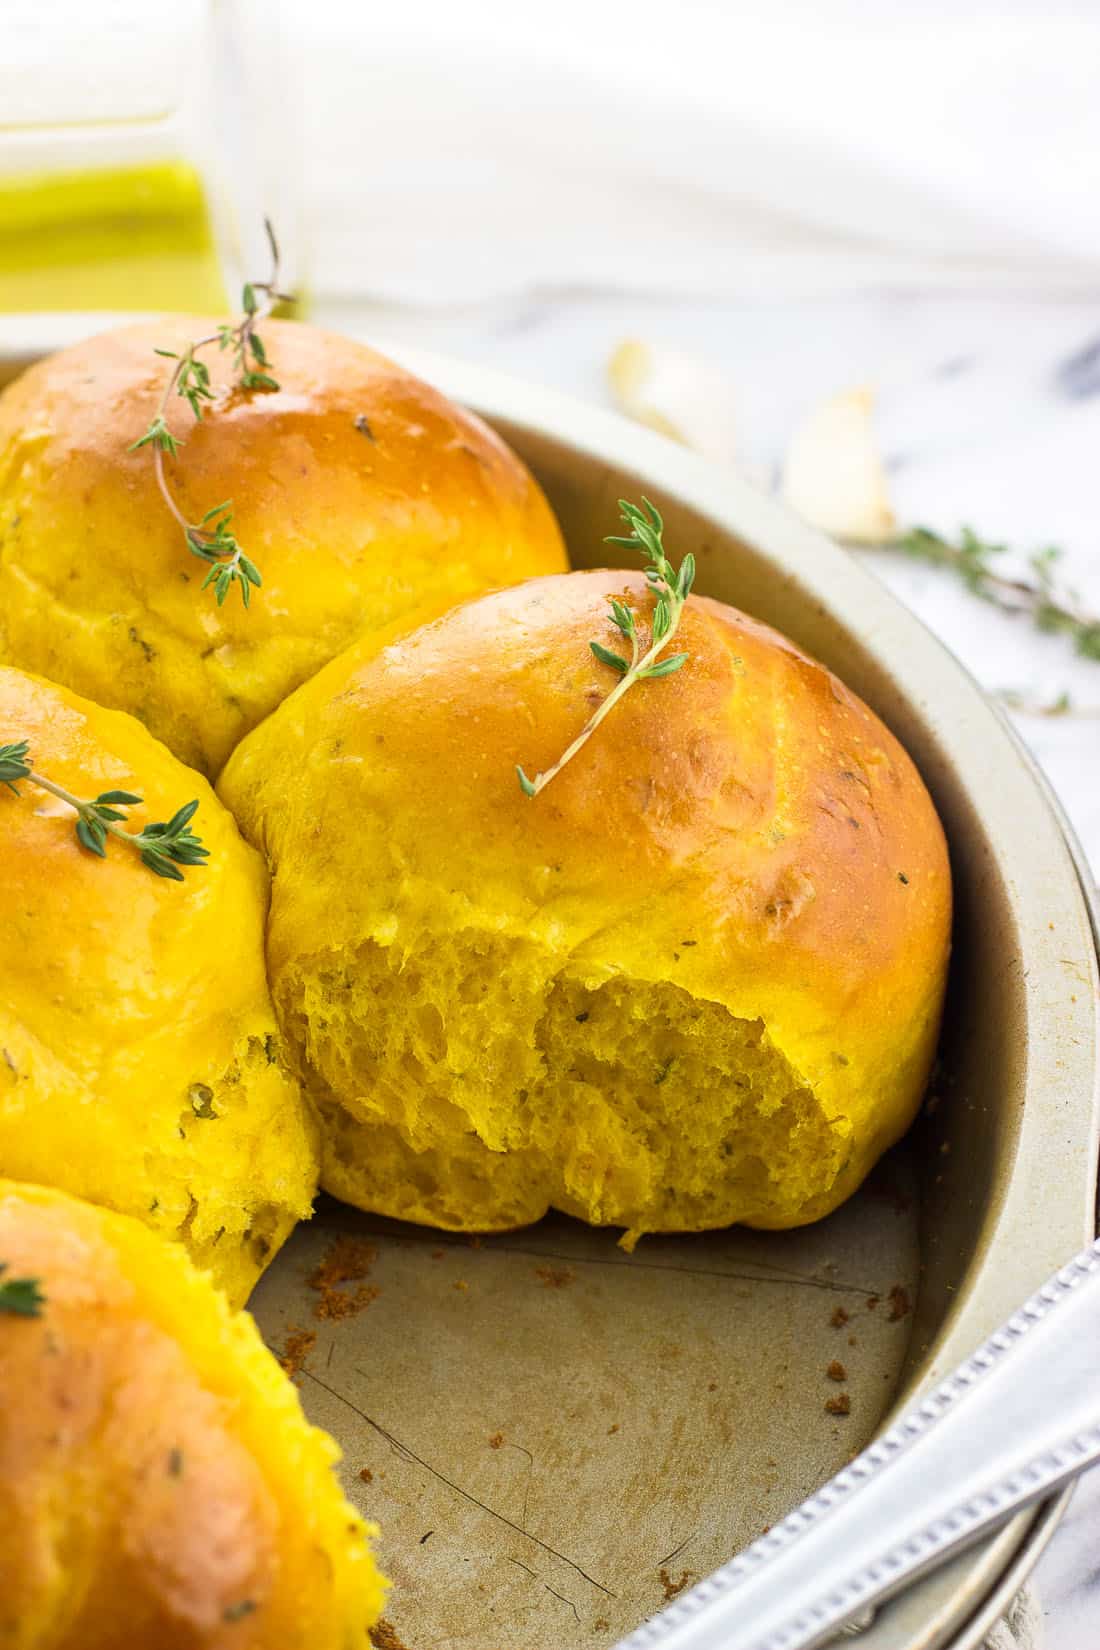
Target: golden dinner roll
(159, 1484)
(362, 495)
(140, 1065)
(696, 980)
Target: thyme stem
(541, 780)
(80, 806)
(672, 589)
(211, 538)
(163, 846)
(971, 559)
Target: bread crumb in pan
(347, 1261)
(385, 1637)
(840, 1405)
(900, 1304)
(299, 1345)
(673, 1587)
(836, 1371)
(839, 1318)
(555, 1277)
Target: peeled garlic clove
(834, 477)
(677, 394)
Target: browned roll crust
(364, 496)
(159, 1484)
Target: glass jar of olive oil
(141, 148)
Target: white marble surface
(990, 415)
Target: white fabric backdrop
(460, 151)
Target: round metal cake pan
(554, 1436)
(1006, 1162)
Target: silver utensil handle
(1010, 1425)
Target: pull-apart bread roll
(696, 980)
(159, 1484)
(363, 497)
(140, 1064)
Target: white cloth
(457, 152)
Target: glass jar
(141, 148)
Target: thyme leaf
(670, 588)
(238, 1612)
(22, 1297)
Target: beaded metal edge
(941, 1536)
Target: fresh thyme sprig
(1027, 704)
(211, 538)
(22, 1297)
(163, 847)
(972, 558)
(671, 589)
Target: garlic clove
(834, 476)
(677, 394)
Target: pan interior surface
(555, 1436)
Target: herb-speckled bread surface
(140, 1062)
(159, 1484)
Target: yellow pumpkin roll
(159, 1484)
(140, 1064)
(362, 495)
(696, 980)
